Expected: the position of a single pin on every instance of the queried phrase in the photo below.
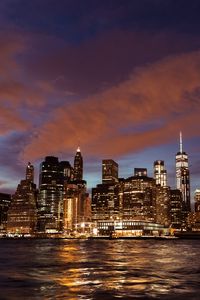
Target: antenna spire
(181, 143)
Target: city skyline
(119, 79)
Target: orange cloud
(160, 94)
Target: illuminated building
(162, 207)
(160, 174)
(66, 171)
(139, 197)
(30, 172)
(109, 171)
(5, 201)
(76, 206)
(183, 178)
(128, 228)
(22, 214)
(128, 199)
(78, 166)
(197, 200)
(70, 206)
(193, 221)
(140, 172)
(105, 204)
(176, 209)
(50, 199)
(75, 198)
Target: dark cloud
(103, 61)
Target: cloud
(160, 94)
(102, 61)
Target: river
(99, 269)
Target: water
(99, 269)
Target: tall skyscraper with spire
(78, 166)
(183, 176)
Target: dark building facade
(50, 198)
(176, 209)
(78, 166)
(197, 200)
(109, 171)
(5, 202)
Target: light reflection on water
(99, 269)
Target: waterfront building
(76, 206)
(78, 166)
(50, 198)
(139, 198)
(105, 204)
(5, 201)
(197, 200)
(109, 171)
(162, 207)
(183, 178)
(129, 228)
(176, 204)
(193, 221)
(75, 197)
(22, 213)
(160, 174)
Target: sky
(119, 78)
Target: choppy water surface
(99, 269)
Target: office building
(197, 200)
(183, 178)
(5, 201)
(176, 212)
(50, 198)
(109, 171)
(105, 202)
(22, 213)
(78, 166)
(162, 207)
(160, 174)
(140, 172)
(66, 171)
(139, 198)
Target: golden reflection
(117, 267)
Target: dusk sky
(118, 78)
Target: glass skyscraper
(183, 177)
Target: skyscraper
(50, 199)
(160, 174)
(109, 171)
(22, 214)
(30, 172)
(197, 200)
(176, 208)
(78, 166)
(183, 177)
(5, 201)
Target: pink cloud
(158, 91)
